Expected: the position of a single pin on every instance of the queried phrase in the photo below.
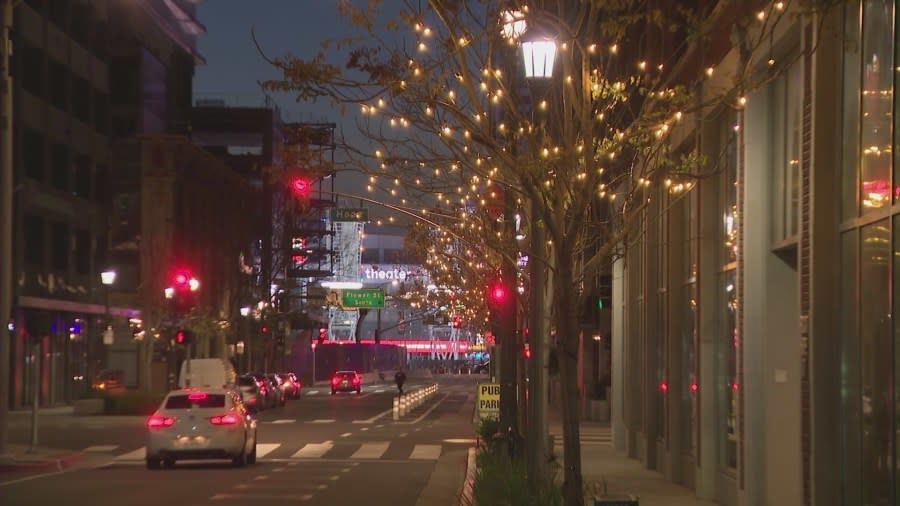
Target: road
(318, 450)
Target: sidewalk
(26, 460)
(623, 475)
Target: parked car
(279, 386)
(293, 384)
(201, 423)
(346, 381)
(272, 392)
(252, 392)
(109, 382)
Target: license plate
(345, 383)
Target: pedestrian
(400, 378)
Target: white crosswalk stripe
(370, 451)
(278, 451)
(100, 448)
(313, 450)
(263, 449)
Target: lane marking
(370, 451)
(101, 448)
(286, 420)
(323, 420)
(425, 452)
(139, 454)
(263, 449)
(312, 392)
(376, 417)
(347, 434)
(313, 450)
(403, 434)
(432, 408)
(261, 477)
(364, 428)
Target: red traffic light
(497, 293)
(301, 186)
(181, 337)
(264, 329)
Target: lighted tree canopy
(459, 136)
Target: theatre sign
(379, 273)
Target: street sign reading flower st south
(363, 298)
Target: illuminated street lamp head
(539, 56)
(170, 292)
(245, 310)
(108, 277)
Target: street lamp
(538, 57)
(107, 278)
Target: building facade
(86, 73)
(754, 327)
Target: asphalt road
(318, 450)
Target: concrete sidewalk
(623, 476)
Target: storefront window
(728, 300)
(850, 398)
(688, 331)
(876, 363)
(876, 105)
(727, 370)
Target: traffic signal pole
(6, 210)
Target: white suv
(201, 423)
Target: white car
(201, 423)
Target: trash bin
(617, 500)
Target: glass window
(726, 383)
(59, 167)
(658, 252)
(688, 332)
(876, 335)
(83, 252)
(786, 140)
(60, 246)
(34, 240)
(850, 398)
(59, 85)
(730, 132)
(850, 137)
(195, 400)
(83, 176)
(33, 148)
(876, 104)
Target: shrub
(132, 403)
(487, 427)
(502, 481)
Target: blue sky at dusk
(233, 65)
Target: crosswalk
(590, 436)
(331, 450)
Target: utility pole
(6, 211)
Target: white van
(208, 373)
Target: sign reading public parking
(488, 400)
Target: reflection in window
(727, 370)
(876, 104)
(876, 336)
(730, 131)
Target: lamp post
(538, 58)
(107, 278)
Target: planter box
(88, 407)
(618, 500)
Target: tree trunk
(567, 353)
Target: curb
(52, 464)
(466, 496)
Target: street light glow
(108, 277)
(539, 56)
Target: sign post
(488, 400)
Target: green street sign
(349, 214)
(363, 298)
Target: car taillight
(229, 419)
(197, 396)
(160, 422)
(262, 390)
(335, 381)
(356, 381)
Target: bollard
(402, 405)
(396, 408)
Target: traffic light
(181, 290)
(264, 330)
(182, 337)
(498, 294)
(301, 186)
